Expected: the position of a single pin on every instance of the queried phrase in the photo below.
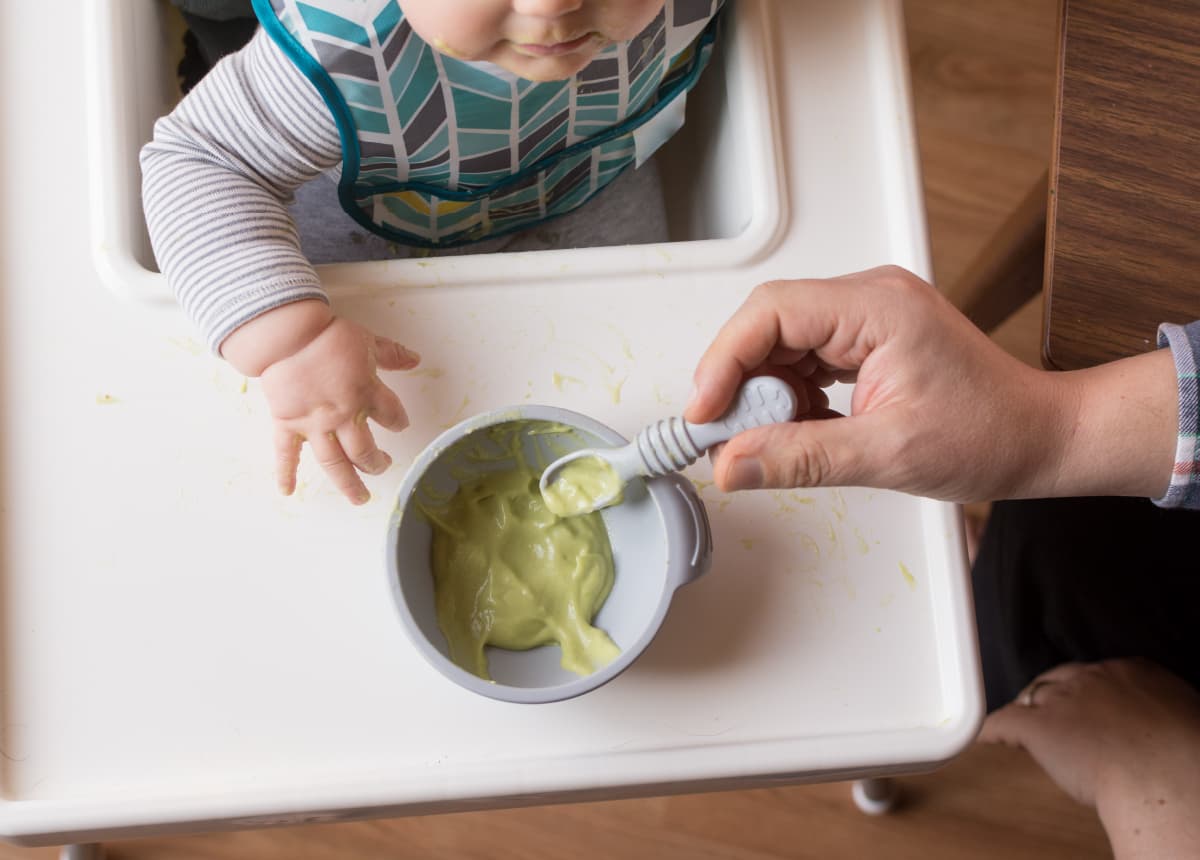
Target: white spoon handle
(674, 444)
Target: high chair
(185, 651)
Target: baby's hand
(324, 393)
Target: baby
(452, 121)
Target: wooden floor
(983, 88)
(983, 82)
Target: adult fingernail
(408, 355)
(745, 473)
(361, 498)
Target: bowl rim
(661, 491)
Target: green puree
(583, 485)
(510, 573)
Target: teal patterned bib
(439, 152)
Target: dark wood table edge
(1052, 191)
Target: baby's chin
(545, 69)
(540, 69)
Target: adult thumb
(830, 452)
(1010, 725)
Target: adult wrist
(1031, 441)
(1117, 432)
(275, 335)
(1150, 818)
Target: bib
(438, 151)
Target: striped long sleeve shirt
(216, 181)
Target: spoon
(593, 478)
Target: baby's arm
(216, 180)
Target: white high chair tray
(184, 649)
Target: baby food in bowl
(511, 573)
(513, 601)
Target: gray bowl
(660, 540)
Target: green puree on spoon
(582, 485)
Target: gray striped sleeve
(216, 180)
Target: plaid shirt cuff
(1184, 341)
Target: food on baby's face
(510, 573)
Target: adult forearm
(1155, 818)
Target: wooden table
(1123, 235)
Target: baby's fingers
(392, 356)
(386, 408)
(287, 459)
(359, 445)
(328, 451)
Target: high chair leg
(876, 796)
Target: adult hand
(938, 409)
(1122, 735)
(324, 393)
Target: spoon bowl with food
(594, 478)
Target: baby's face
(539, 40)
